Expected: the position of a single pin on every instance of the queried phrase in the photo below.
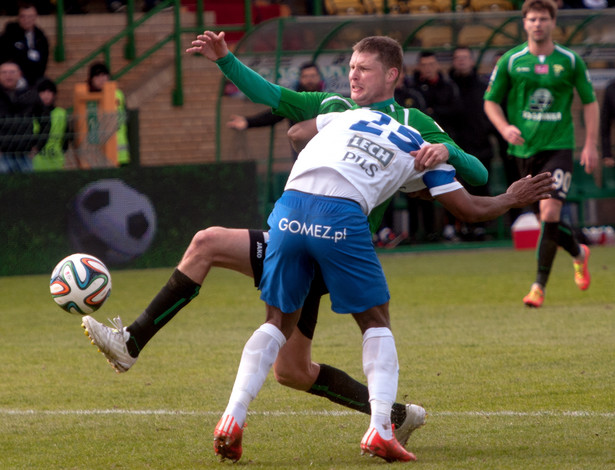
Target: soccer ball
(80, 284)
(111, 220)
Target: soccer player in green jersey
(375, 66)
(538, 79)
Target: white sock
(382, 370)
(257, 358)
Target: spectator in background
(440, 94)
(607, 119)
(115, 6)
(51, 156)
(310, 79)
(26, 44)
(472, 129)
(19, 106)
(409, 97)
(441, 101)
(98, 75)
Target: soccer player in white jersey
(358, 159)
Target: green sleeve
(583, 82)
(300, 106)
(467, 166)
(250, 83)
(376, 215)
(498, 82)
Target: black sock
(567, 240)
(340, 388)
(547, 249)
(398, 414)
(174, 295)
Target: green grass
(505, 387)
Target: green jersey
(51, 156)
(301, 106)
(539, 92)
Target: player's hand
(211, 45)
(238, 123)
(589, 158)
(608, 162)
(530, 189)
(512, 135)
(429, 156)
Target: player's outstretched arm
(256, 88)
(521, 193)
(444, 149)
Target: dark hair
(426, 53)
(309, 65)
(463, 48)
(24, 5)
(47, 84)
(388, 49)
(539, 5)
(98, 68)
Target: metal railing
(128, 34)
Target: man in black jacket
(26, 44)
(606, 121)
(19, 106)
(440, 101)
(472, 130)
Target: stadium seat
(377, 6)
(561, 33)
(344, 7)
(491, 5)
(447, 5)
(435, 36)
(422, 6)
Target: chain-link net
(60, 141)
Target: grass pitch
(506, 387)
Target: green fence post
(59, 53)
(200, 15)
(248, 15)
(130, 49)
(178, 92)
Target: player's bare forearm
(495, 113)
(589, 154)
(521, 193)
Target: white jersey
(364, 155)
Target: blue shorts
(333, 232)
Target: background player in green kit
(538, 79)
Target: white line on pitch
(572, 414)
